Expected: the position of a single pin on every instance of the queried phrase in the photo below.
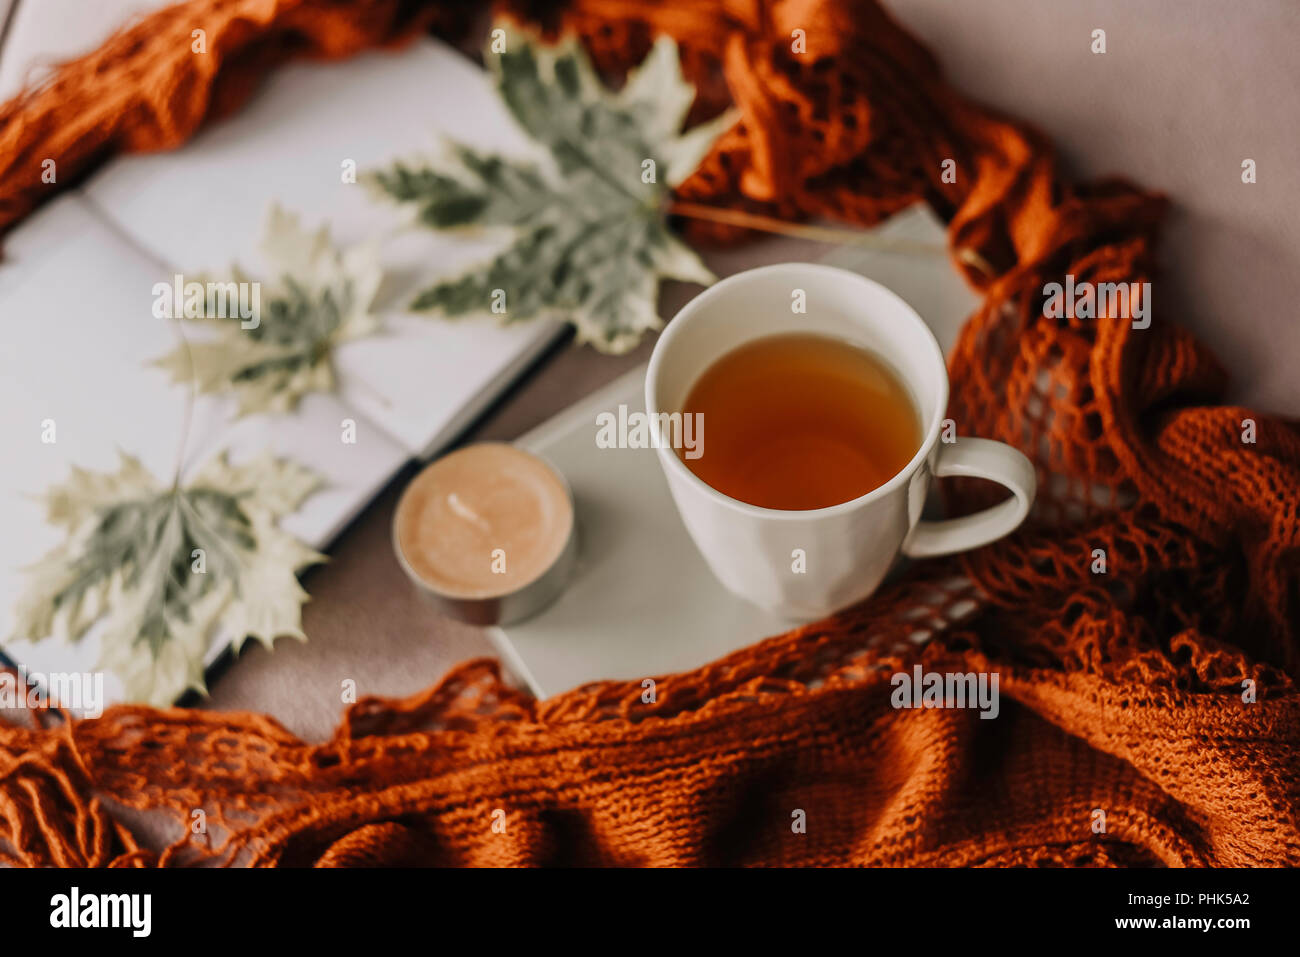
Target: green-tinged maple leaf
(320, 298)
(590, 237)
(156, 567)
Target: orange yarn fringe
(1122, 691)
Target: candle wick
(467, 513)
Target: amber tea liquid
(801, 421)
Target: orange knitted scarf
(1128, 692)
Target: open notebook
(77, 330)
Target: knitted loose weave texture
(1161, 693)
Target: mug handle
(977, 458)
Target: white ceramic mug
(847, 548)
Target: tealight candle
(487, 532)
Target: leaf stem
(821, 234)
(190, 398)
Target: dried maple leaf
(321, 297)
(156, 567)
(590, 237)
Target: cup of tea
(816, 399)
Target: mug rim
(899, 479)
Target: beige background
(1186, 91)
